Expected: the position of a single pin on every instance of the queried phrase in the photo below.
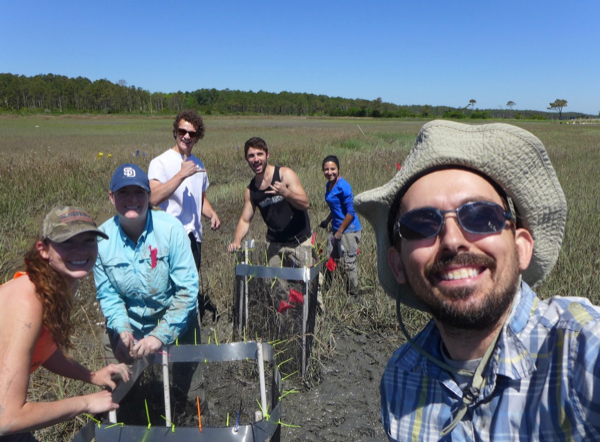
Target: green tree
(472, 103)
(557, 106)
(511, 104)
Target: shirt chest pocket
(156, 273)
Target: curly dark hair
(191, 116)
(256, 143)
(55, 295)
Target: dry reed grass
(52, 160)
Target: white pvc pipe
(246, 287)
(240, 306)
(261, 375)
(167, 391)
(305, 314)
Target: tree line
(60, 94)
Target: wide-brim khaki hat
(510, 156)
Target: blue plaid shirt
(542, 381)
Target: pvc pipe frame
(261, 377)
(166, 387)
(255, 432)
(304, 318)
(305, 274)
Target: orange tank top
(44, 347)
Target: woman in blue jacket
(345, 227)
(146, 278)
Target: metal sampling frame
(259, 431)
(304, 274)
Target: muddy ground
(345, 406)
(341, 405)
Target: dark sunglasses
(182, 133)
(479, 218)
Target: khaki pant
(288, 255)
(347, 255)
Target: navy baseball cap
(129, 175)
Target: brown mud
(342, 405)
(345, 405)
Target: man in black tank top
(285, 223)
(283, 204)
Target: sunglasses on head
(479, 218)
(182, 133)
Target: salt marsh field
(69, 160)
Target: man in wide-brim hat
(473, 220)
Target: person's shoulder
(166, 228)
(114, 244)
(404, 360)
(19, 295)
(167, 157)
(110, 227)
(570, 313)
(164, 220)
(343, 185)
(158, 158)
(407, 358)
(169, 153)
(287, 173)
(285, 169)
(345, 182)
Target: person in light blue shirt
(473, 220)
(345, 233)
(145, 274)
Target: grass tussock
(55, 160)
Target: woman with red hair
(35, 329)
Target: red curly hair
(55, 295)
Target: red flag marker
(331, 264)
(283, 306)
(296, 297)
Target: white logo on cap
(129, 172)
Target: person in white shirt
(178, 184)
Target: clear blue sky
(406, 52)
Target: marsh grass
(53, 160)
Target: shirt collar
(511, 357)
(142, 238)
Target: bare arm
(323, 224)
(60, 364)
(290, 188)
(160, 192)
(209, 212)
(18, 336)
(243, 224)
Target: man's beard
(480, 317)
